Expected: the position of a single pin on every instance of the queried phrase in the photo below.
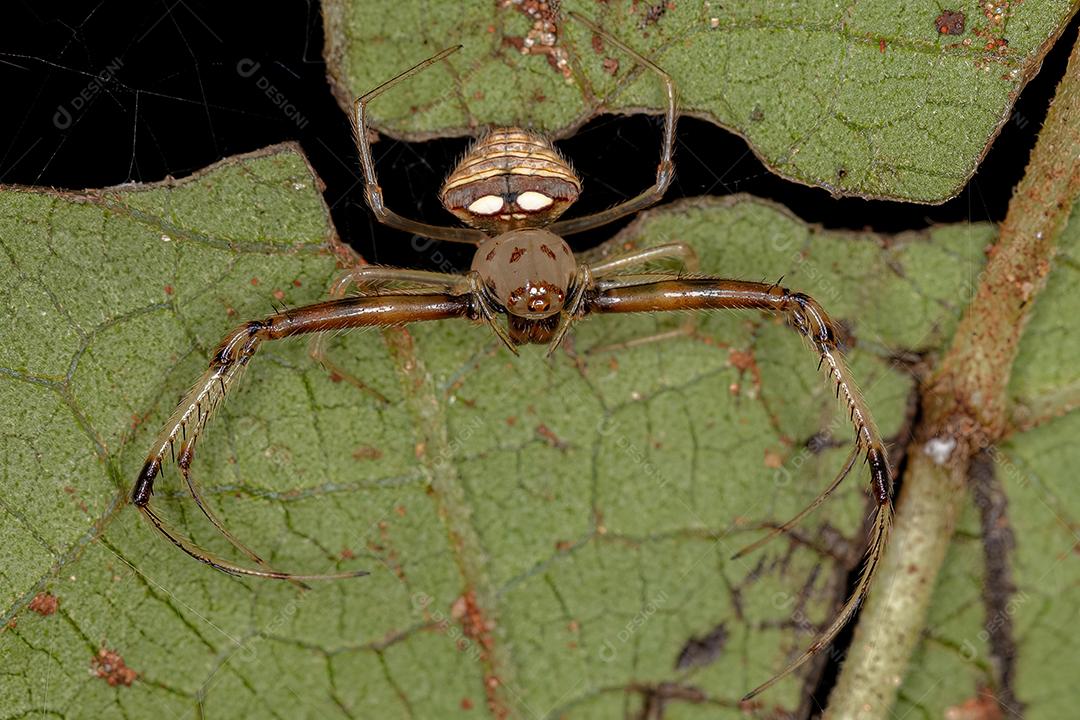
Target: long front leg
(665, 170)
(370, 280)
(373, 192)
(808, 317)
(187, 423)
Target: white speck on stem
(165, 238)
(939, 449)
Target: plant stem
(964, 411)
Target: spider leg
(373, 192)
(227, 364)
(780, 530)
(368, 279)
(183, 461)
(228, 567)
(665, 171)
(808, 317)
(685, 254)
(572, 308)
(609, 273)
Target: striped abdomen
(510, 178)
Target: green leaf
(544, 536)
(869, 99)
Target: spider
(510, 190)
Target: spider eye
(531, 200)
(486, 205)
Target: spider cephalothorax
(510, 189)
(528, 271)
(510, 178)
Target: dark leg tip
(879, 475)
(186, 456)
(144, 486)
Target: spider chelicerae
(510, 190)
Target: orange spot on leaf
(110, 667)
(44, 604)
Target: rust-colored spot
(881, 46)
(466, 704)
(563, 545)
(110, 667)
(296, 283)
(996, 11)
(741, 359)
(346, 554)
(548, 435)
(773, 459)
(168, 289)
(516, 255)
(543, 35)
(480, 629)
(547, 251)
(611, 66)
(279, 294)
(597, 44)
(982, 707)
(44, 603)
(950, 22)
(254, 281)
(366, 452)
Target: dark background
(177, 103)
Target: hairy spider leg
(665, 171)
(808, 317)
(609, 273)
(680, 251)
(373, 192)
(370, 280)
(227, 364)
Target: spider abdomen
(510, 178)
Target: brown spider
(510, 189)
